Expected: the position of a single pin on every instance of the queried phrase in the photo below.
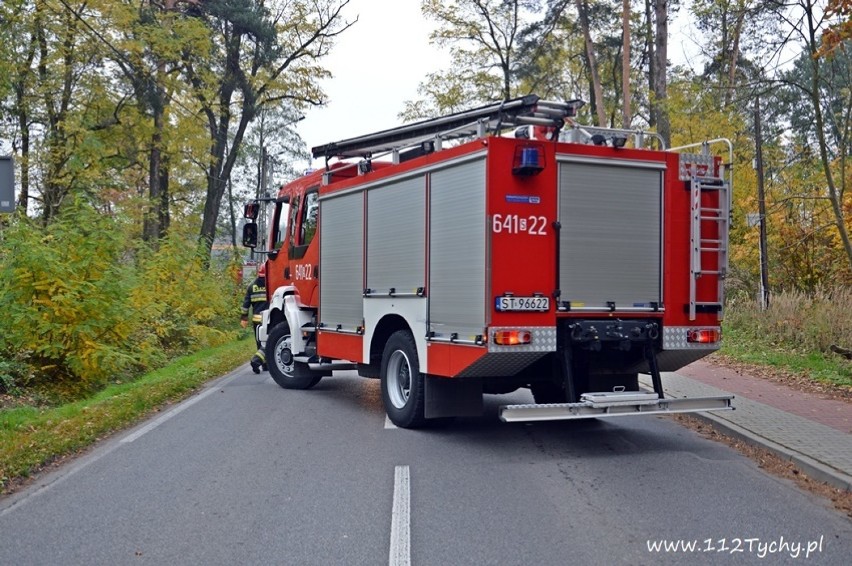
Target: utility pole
(264, 194)
(761, 203)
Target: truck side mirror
(250, 235)
(251, 210)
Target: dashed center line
(400, 540)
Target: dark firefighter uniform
(256, 300)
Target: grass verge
(798, 334)
(826, 368)
(32, 438)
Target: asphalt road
(248, 473)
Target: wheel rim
(399, 379)
(284, 356)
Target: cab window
(282, 215)
(309, 217)
(294, 211)
(305, 229)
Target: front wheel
(285, 370)
(403, 386)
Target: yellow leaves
(178, 302)
(841, 28)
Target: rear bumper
(609, 405)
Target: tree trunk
(735, 55)
(660, 62)
(56, 184)
(220, 171)
(22, 111)
(833, 194)
(582, 10)
(164, 215)
(626, 114)
(649, 43)
(215, 191)
(23, 124)
(233, 218)
(151, 226)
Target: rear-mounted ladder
(701, 242)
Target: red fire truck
(500, 248)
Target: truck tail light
(704, 336)
(512, 337)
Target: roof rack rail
(491, 118)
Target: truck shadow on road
(356, 398)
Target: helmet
(261, 272)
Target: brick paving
(812, 431)
(830, 412)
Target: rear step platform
(613, 404)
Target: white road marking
(388, 423)
(400, 540)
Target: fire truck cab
(500, 248)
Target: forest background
(138, 127)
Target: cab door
(277, 267)
(303, 253)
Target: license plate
(523, 303)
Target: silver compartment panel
(611, 236)
(341, 245)
(457, 281)
(396, 236)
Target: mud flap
(447, 397)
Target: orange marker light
(512, 337)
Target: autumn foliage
(81, 307)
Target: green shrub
(63, 297)
(182, 306)
(14, 376)
(81, 307)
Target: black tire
(548, 392)
(287, 372)
(403, 386)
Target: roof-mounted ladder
(478, 122)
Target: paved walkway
(813, 432)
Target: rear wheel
(286, 371)
(403, 391)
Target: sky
(378, 63)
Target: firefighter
(256, 299)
